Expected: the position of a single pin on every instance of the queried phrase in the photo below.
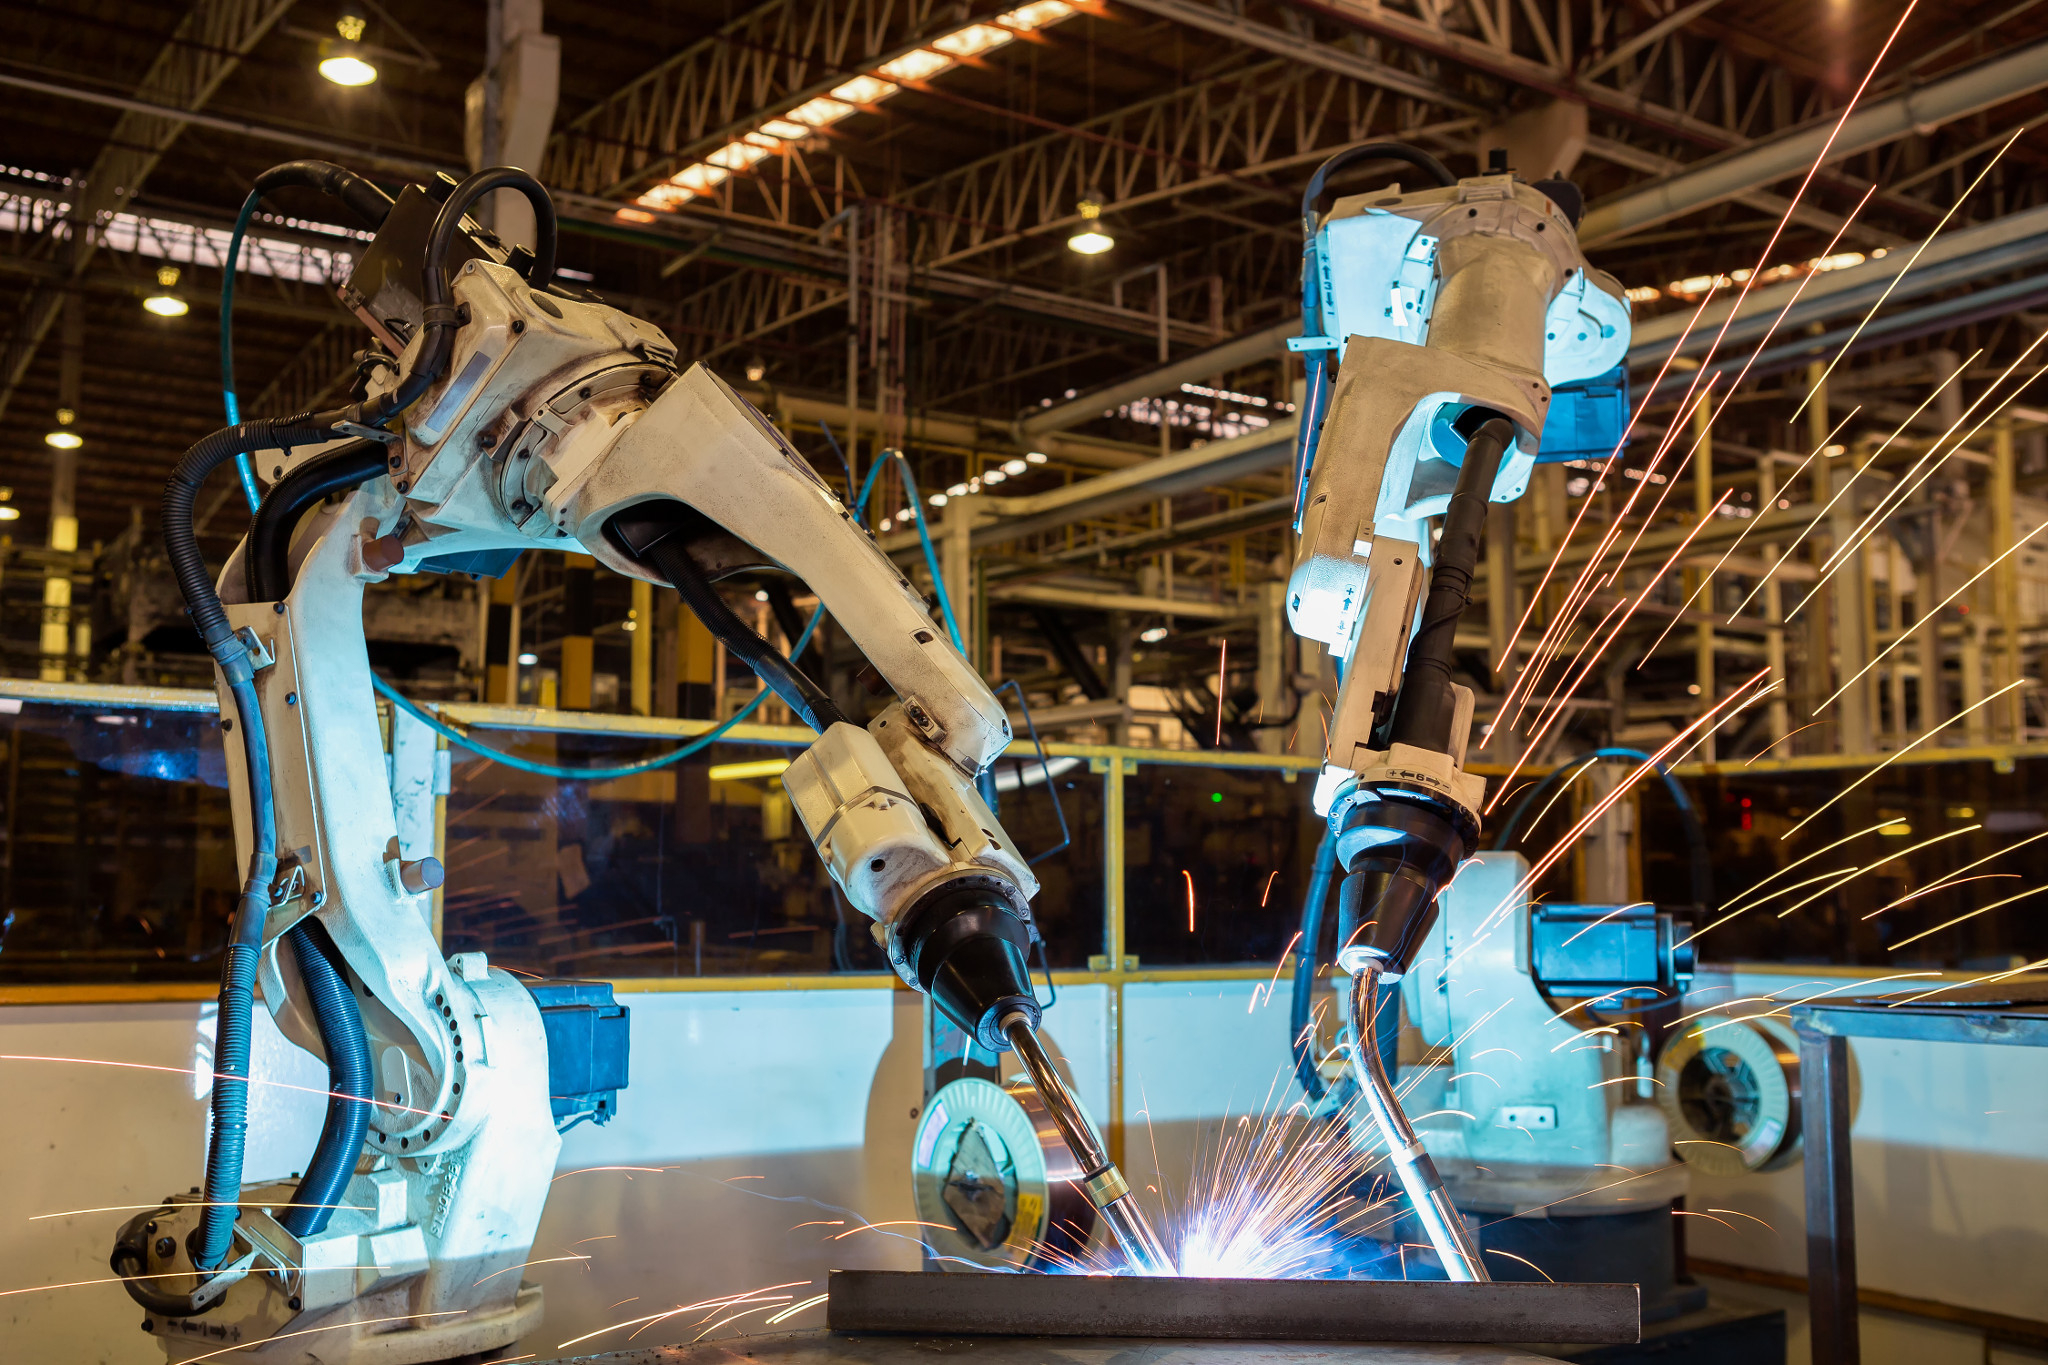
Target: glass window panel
(117, 848)
(1746, 813)
(701, 869)
(1069, 905)
(1241, 840)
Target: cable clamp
(256, 648)
(441, 315)
(289, 884)
(366, 433)
(222, 1279)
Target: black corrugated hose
(348, 1079)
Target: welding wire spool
(1730, 1089)
(989, 1168)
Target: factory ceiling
(714, 182)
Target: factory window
(118, 860)
(1934, 870)
(1209, 880)
(700, 869)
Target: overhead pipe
(1913, 111)
(1956, 258)
(1219, 359)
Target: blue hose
(924, 537)
(527, 765)
(245, 468)
(348, 1079)
(223, 1186)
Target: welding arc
(1103, 1182)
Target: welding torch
(1103, 1182)
(1404, 825)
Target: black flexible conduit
(439, 318)
(348, 1079)
(1301, 1041)
(223, 1184)
(1425, 706)
(1311, 197)
(266, 563)
(812, 704)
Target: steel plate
(1256, 1310)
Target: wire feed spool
(994, 1183)
(1730, 1088)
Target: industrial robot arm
(514, 414)
(1454, 309)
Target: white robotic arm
(518, 417)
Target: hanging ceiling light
(757, 370)
(1091, 240)
(8, 511)
(341, 60)
(164, 302)
(62, 437)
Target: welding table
(2012, 1013)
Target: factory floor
(1888, 1338)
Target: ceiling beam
(208, 45)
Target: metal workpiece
(1241, 1310)
(831, 1348)
(1455, 1245)
(1107, 1189)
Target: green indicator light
(1216, 797)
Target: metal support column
(1830, 1197)
(956, 562)
(2009, 711)
(1852, 626)
(1779, 710)
(1703, 508)
(1272, 675)
(642, 624)
(55, 642)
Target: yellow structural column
(642, 625)
(1703, 507)
(2005, 585)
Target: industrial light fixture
(341, 60)
(165, 302)
(1091, 240)
(8, 511)
(1154, 635)
(1035, 456)
(757, 370)
(62, 437)
(913, 69)
(528, 660)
